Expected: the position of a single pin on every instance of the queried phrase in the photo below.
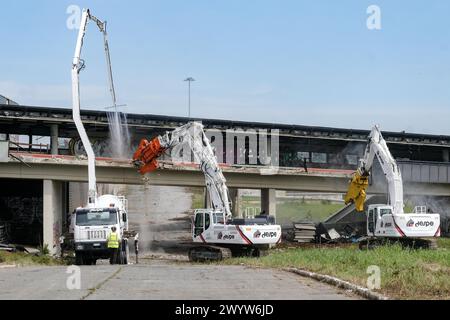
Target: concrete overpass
(116, 171)
(56, 170)
(330, 153)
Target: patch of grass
(405, 274)
(297, 209)
(443, 243)
(25, 259)
(289, 210)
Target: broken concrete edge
(177, 166)
(361, 291)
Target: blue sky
(297, 62)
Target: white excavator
(388, 222)
(92, 223)
(215, 233)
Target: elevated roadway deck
(117, 171)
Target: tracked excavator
(388, 222)
(216, 234)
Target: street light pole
(189, 80)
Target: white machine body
(382, 222)
(209, 227)
(390, 220)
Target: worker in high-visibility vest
(113, 245)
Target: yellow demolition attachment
(356, 192)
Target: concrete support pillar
(207, 201)
(54, 138)
(445, 155)
(53, 215)
(269, 201)
(235, 202)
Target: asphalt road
(162, 280)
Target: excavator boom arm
(376, 147)
(190, 135)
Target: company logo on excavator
(411, 223)
(424, 224)
(269, 234)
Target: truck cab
(92, 227)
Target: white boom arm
(77, 66)
(377, 147)
(194, 137)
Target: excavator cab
(202, 222)
(375, 220)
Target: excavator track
(407, 243)
(420, 243)
(208, 253)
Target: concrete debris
(13, 248)
(31, 250)
(5, 247)
(326, 234)
(301, 232)
(333, 234)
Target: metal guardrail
(251, 212)
(29, 147)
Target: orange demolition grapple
(146, 154)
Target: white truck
(215, 232)
(92, 223)
(389, 222)
(92, 226)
